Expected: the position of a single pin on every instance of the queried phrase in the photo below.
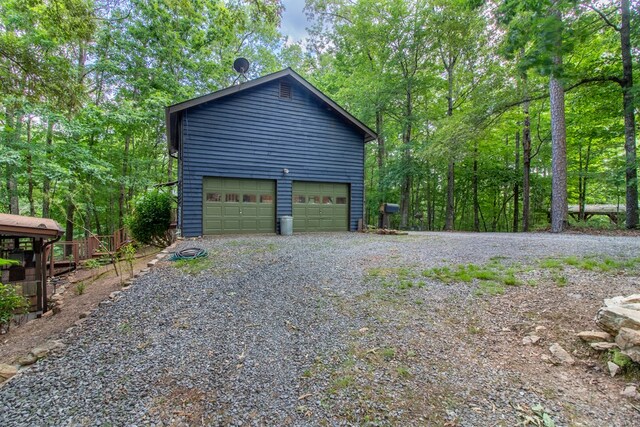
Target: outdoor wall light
(285, 171)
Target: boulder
(632, 299)
(7, 371)
(530, 339)
(29, 359)
(560, 355)
(621, 300)
(633, 353)
(627, 338)
(631, 391)
(611, 319)
(603, 346)
(613, 368)
(595, 336)
(613, 302)
(43, 350)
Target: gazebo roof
(26, 226)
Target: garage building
(274, 146)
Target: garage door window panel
(214, 197)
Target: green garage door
(320, 206)
(231, 205)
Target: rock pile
(619, 320)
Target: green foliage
(128, 252)
(10, 303)
(80, 288)
(149, 223)
(83, 90)
(92, 264)
(8, 262)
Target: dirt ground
(98, 284)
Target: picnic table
(611, 211)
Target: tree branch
(584, 81)
(604, 17)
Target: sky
(294, 21)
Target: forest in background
(481, 107)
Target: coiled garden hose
(188, 253)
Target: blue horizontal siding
(255, 134)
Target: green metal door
(320, 206)
(233, 205)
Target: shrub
(149, 223)
(10, 302)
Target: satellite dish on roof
(241, 65)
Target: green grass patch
(343, 382)
(193, 266)
(388, 353)
(552, 263)
(489, 287)
(591, 263)
(403, 372)
(493, 272)
(560, 280)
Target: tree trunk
(380, 140)
(382, 194)
(629, 118)
(69, 213)
(448, 225)
(14, 123)
(46, 181)
(123, 188)
(450, 212)
(516, 186)
(526, 164)
(474, 183)
(32, 207)
(405, 189)
(582, 183)
(96, 219)
(558, 154)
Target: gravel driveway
(273, 330)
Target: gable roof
(18, 225)
(171, 112)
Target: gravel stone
(265, 332)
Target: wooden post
(41, 274)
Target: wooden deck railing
(71, 253)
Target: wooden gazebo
(25, 239)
